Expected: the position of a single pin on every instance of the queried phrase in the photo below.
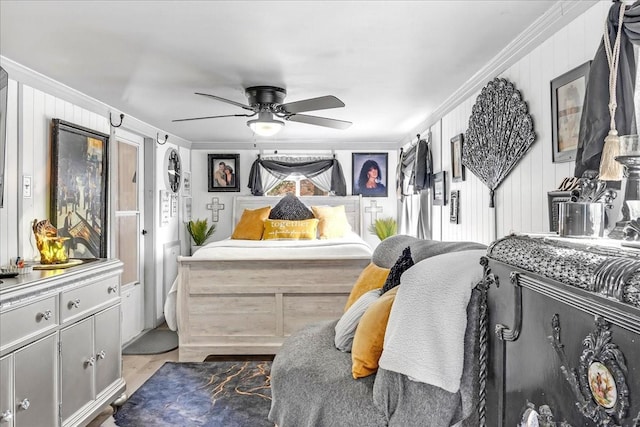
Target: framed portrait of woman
(224, 174)
(567, 99)
(369, 172)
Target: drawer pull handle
(101, 355)
(74, 304)
(46, 315)
(6, 416)
(25, 404)
(91, 361)
(113, 289)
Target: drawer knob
(113, 289)
(6, 416)
(74, 304)
(101, 355)
(25, 404)
(46, 315)
(91, 361)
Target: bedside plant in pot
(384, 227)
(200, 231)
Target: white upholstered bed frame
(248, 307)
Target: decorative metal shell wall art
(500, 133)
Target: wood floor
(135, 370)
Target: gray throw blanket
(312, 386)
(388, 251)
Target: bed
(245, 297)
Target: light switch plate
(26, 186)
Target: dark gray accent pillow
(403, 263)
(290, 208)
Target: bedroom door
(129, 231)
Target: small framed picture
(369, 171)
(439, 189)
(457, 168)
(224, 173)
(454, 207)
(567, 97)
(186, 184)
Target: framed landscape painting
(79, 177)
(223, 172)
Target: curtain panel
(311, 170)
(414, 184)
(594, 123)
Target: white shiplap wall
(36, 111)
(521, 199)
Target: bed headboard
(352, 206)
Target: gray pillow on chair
(346, 326)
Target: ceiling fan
(266, 103)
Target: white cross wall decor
(215, 207)
(373, 209)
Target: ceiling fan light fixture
(265, 125)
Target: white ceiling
(391, 62)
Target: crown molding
(283, 145)
(556, 17)
(32, 78)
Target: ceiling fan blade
(228, 101)
(319, 121)
(214, 117)
(313, 104)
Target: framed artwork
(567, 97)
(454, 207)
(79, 178)
(165, 207)
(186, 184)
(224, 172)
(457, 168)
(439, 189)
(369, 173)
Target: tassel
(610, 169)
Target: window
(300, 186)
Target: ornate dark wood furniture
(564, 333)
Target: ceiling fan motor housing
(265, 95)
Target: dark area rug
(210, 394)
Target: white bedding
(348, 247)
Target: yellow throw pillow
(251, 224)
(369, 338)
(372, 277)
(333, 221)
(290, 230)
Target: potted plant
(384, 227)
(200, 231)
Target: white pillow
(346, 326)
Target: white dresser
(60, 349)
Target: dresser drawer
(27, 321)
(86, 298)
